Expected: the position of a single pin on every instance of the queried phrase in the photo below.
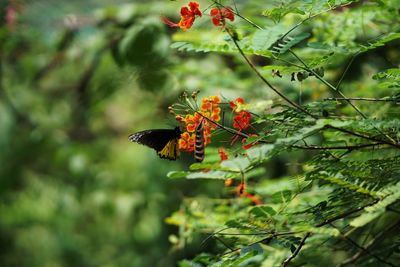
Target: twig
(224, 243)
(296, 252)
(365, 249)
(343, 215)
(251, 65)
(311, 147)
(363, 136)
(364, 99)
(345, 71)
(327, 83)
(361, 252)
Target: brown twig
(366, 249)
(363, 99)
(337, 147)
(327, 84)
(297, 251)
(253, 67)
(363, 136)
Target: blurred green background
(76, 78)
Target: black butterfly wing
(163, 141)
(170, 151)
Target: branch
(296, 252)
(338, 147)
(364, 99)
(343, 215)
(253, 67)
(397, 145)
(361, 252)
(328, 84)
(365, 249)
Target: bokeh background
(76, 78)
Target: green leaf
(238, 164)
(208, 166)
(317, 230)
(263, 211)
(282, 46)
(390, 195)
(382, 42)
(177, 174)
(276, 14)
(391, 74)
(282, 196)
(265, 38)
(210, 175)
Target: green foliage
(338, 185)
(312, 181)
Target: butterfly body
(163, 141)
(199, 142)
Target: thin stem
(312, 16)
(297, 251)
(236, 12)
(345, 71)
(363, 99)
(362, 251)
(327, 84)
(373, 242)
(229, 130)
(311, 147)
(363, 136)
(253, 67)
(343, 215)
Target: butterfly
(163, 141)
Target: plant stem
(251, 65)
(297, 251)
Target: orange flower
(241, 192)
(255, 199)
(209, 111)
(220, 14)
(188, 15)
(228, 182)
(222, 154)
(186, 142)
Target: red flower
(222, 154)
(188, 15)
(220, 14)
(242, 120)
(235, 104)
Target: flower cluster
(190, 13)
(209, 112)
